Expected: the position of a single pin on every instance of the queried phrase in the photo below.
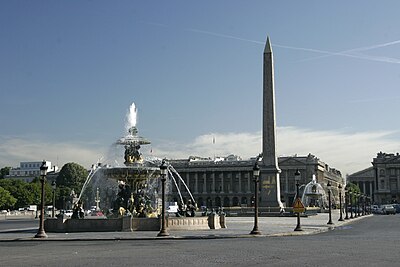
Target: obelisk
(269, 175)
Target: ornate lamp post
(346, 202)
(297, 179)
(163, 171)
(256, 175)
(364, 211)
(54, 186)
(351, 203)
(329, 186)
(340, 203)
(370, 203)
(43, 171)
(355, 205)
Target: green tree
(71, 177)
(7, 201)
(4, 171)
(355, 189)
(20, 190)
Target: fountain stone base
(127, 224)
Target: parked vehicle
(388, 209)
(375, 209)
(397, 207)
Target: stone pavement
(237, 227)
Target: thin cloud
(347, 152)
(16, 149)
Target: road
(370, 242)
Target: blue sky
(69, 71)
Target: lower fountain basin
(127, 224)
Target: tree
(71, 177)
(354, 189)
(7, 201)
(20, 190)
(4, 171)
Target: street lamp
(54, 186)
(355, 204)
(362, 205)
(297, 179)
(256, 175)
(364, 211)
(163, 172)
(329, 186)
(351, 203)
(43, 171)
(346, 202)
(340, 203)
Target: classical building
(308, 166)
(229, 182)
(29, 170)
(382, 180)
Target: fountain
(314, 195)
(137, 204)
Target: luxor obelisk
(269, 175)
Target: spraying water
(131, 117)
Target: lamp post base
(41, 234)
(255, 231)
(298, 228)
(163, 232)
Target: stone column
(221, 176)
(240, 182)
(230, 188)
(187, 180)
(370, 188)
(205, 184)
(213, 182)
(196, 183)
(247, 176)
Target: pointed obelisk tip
(268, 47)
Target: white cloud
(15, 150)
(347, 152)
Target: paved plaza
(237, 227)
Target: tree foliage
(4, 171)
(7, 201)
(354, 189)
(72, 176)
(26, 193)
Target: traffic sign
(298, 206)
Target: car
(375, 209)
(388, 209)
(397, 207)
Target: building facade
(229, 183)
(382, 180)
(29, 170)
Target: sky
(70, 70)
